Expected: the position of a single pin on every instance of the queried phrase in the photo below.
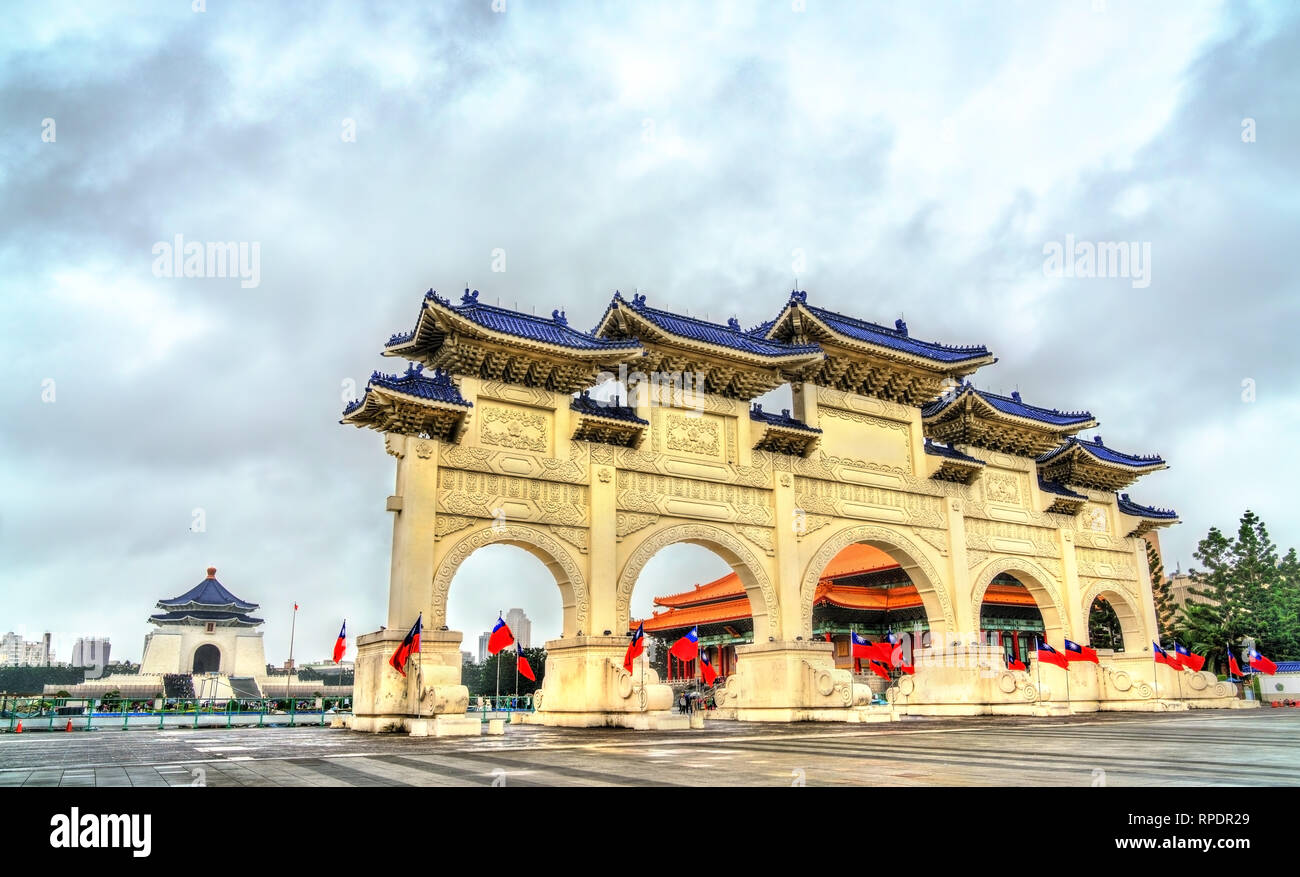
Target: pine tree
(1246, 593)
(1166, 608)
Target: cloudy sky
(900, 159)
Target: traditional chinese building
(205, 630)
(893, 492)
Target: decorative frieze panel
(702, 435)
(760, 536)
(1091, 539)
(519, 428)
(887, 443)
(757, 475)
(863, 404)
(1003, 487)
(627, 523)
(1005, 537)
(805, 523)
(504, 497)
(868, 503)
(938, 539)
(1093, 519)
(687, 498)
(1105, 564)
(520, 394)
(478, 459)
(444, 524)
(577, 536)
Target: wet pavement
(1116, 749)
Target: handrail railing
(161, 712)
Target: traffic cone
(69, 728)
(19, 729)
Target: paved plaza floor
(1219, 747)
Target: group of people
(689, 702)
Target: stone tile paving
(1132, 749)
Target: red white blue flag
(501, 637)
(635, 648)
(1261, 663)
(341, 644)
(1049, 655)
(706, 669)
(522, 664)
(688, 647)
(411, 644)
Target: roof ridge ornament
(638, 299)
(469, 298)
(414, 369)
(901, 326)
(798, 295)
(733, 323)
(558, 316)
(1015, 397)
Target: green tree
(1245, 591)
(1166, 608)
(506, 659)
(1103, 626)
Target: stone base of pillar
(383, 700)
(850, 715)
(972, 680)
(790, 681)
(659, 720)
(586, 686)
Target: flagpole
(1038, 665)
(517, 654)
(293, 626)
(1156, 665)
(498, 694)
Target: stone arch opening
(728, 611)
(908, 561)
(1113, 620)
(207, 659)
(549, 550)
(1012, 573)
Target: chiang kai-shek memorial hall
(973, 506)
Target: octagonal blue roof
(1011, 405)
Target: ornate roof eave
(607, 430)
(953, 465)
(1146, 518)
(1076, 464)
(387, 410)
(183, 616)
(971, 420)
(444, 338)
(728, 371)
(806, 324)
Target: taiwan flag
(636, 648)
(341, 644)
(521, 663)
(500, 638)
(1187, 659)
(861, 648)
(1014, 663)
(1234, 669)
(1075, 652)
(706, 669)
(1261, 663)
(410, 644)
(688, 647)
(879, 669)
(1162, 657)
(1049, 655)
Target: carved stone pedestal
(384, 700)
(790, 681)
(586, 686)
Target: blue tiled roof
(584, 404)
(1103, 453)
(1010, 405)
(756, 412)
(730, 335)
(936, 449)
(1288, 666)
(208, 592)
(205, 615)
(553, 330)
(1128, 507)
(1059, 489)
(895, 339)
